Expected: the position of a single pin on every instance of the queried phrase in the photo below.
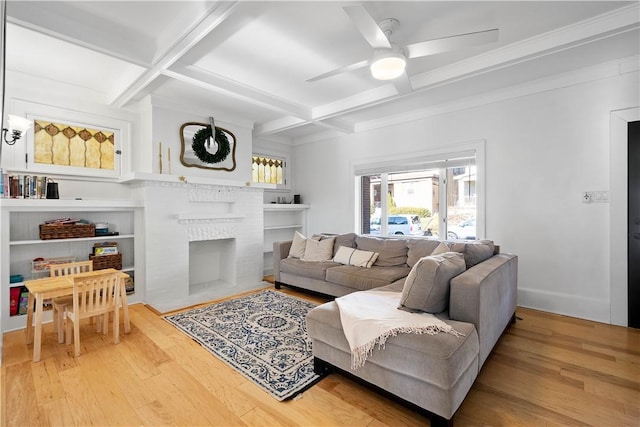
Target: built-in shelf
(79, 239)
(20, 243)
(280, 222)
(284, 207)
(282, 227)
(31, 205)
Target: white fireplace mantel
(187, 217)
(138, 177)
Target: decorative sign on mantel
(202, 147)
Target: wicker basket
(129, 285)
(68, 231)
(100, 262)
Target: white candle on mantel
(169, 160)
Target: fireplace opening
(211, 265)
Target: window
(268, 170)
(432, 195)
(69, 142)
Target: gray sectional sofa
(433, 373)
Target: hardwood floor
(547, 370)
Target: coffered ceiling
(253, 59)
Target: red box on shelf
(14, 299)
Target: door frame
(618, 205)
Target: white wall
(166, 128)
(542, 151)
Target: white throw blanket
(370, 317)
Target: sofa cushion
(318, 250)
(298, 245)
(311, 270)
(427, 285)
(442, 248)
(439, 359)
(365, 278)
(392, 252)
(355, 257)
(347, 240)
(474, 252)
(419, 248)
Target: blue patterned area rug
(263, 336)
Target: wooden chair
(94, 296)
(59, 304)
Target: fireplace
(211, 265)
(202, 242)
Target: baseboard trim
(566, 304)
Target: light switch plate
(595, 196)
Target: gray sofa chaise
(433, 373)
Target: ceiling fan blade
(367, 26)
(403, 84)
(445, 44)
(344, 69)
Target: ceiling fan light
(388, 66)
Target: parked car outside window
(464, 230)
(398, 225)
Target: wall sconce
(18, 125)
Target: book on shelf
(23, 302)
(23, 186)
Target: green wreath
(202, 138)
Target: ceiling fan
(389, 59)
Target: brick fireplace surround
(201, 241)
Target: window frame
(436, 158)
(35, 111)
(286, 171)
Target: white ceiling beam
(608, 24)
(297, 115)
(62, 22)
(286, 123)
(278, 125)
(336, 124)
(209, 21)
(356, 102)
(605, 25)
(219, 84)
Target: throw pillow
(442, 248)
(475, 251)
(426, 288)
(298, 246)
(392, 252)
(355, 257)
(318, 250)
(419, 248)
(348, 240)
